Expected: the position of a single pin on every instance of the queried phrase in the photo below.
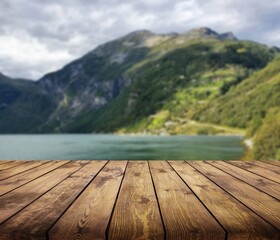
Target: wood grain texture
(5, 161)
(18, 180)
(16, 200)
(11, 164)
(138, 200)
(136, 215)
(89, 215)
(183, 214)
(237, 219)
(264, 205)
(275, 162)
(258, 168)
(20, 168)
(270, 187)
(263, 164)
(34, 221)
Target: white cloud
(29, 52)
(41, 36)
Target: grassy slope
(254, 105)
(167, 90)
(267, 137)
(247, 102)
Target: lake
(115, 147)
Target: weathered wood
(183, 214)
(11, 164)
(18, 180)
(237, 219)
(275, 162)
(33, 222)
(197, 200)
(18, 169)
(263, 164)
(89, 215)
(136, 215)
(270, 187)
(272, 174)
(16, 200)
(5, 161)
(264, 205)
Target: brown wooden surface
(37, 218)
(18, 180)
(11, 164)
(231, 213)
(21, 168)
(183, 214)
(275, 163)
(5, 161)
(262, 164)
(270, 187)
(89, 216)
(136, 214)
(16, 200)
(139, 200)
(261, 203)
(260, 169)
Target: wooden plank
(89, 215)
(11, 164)
(136, 215)
(239, 221)
(258, 169)
(270, 187)
(48, 208)
(14, 182)
(21, 168)
(183, 214)
(273, 162)
(264, 205)
(16, 200)
(263, 164)
(5, 161)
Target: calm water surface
(89, 146)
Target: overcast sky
(39, 36)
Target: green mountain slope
(247, 102)
(254, 105)
(266, 141)
(198, 82)
(172, 87)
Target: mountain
(148, 83)
(175, 77)
(87, 84)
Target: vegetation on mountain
(254, 106)
(199, 82)
(267, 137)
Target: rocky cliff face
(94, 80)
(209, 33)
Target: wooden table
(139, 200)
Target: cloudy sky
(39, 36)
